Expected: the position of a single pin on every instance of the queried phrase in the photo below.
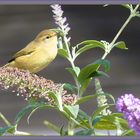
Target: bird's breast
(37, 60)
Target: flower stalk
(64, 27)
(101, 99)
(71, 128)
(133, 13)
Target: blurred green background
(19, 24)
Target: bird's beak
(60, 35)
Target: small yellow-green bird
(37, 54)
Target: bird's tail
(10, 64)
(6, 65)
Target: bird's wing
(30, 48)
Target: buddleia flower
(130, 107)
(30, 85)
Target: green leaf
(7, 129)
(69, 116)
(96, 119)
(110, 122)
(89, 44)
(129, 132)
(83, 119)
(63, 53)
(31, 106)
(110, 96)
(104, 124)
(77, 70)
(40, 106)
(33, 111)
(4, 119)
(57, 99)
(121, 45)
(62, 131)
(23, 112)
(11, 129)
(83, 114)
(123, 124)
(89, 97)
(98, 110)
(85, 132)
(99, 73)
(128, 6)
(85, 98)
(84, 85)
(3, 130)
(116, 115)
(94, 42)
(52, 126)
(84, 123)
(74, 72)
(70, 87)
(72, 110)
(89, 70)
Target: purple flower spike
(130, 107)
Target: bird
(38, 54)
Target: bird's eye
(47, 37)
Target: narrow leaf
(121, 45)
(52, 126)
(128, 6)
(89, 70)
(62, 131)
(84, 86)
(57, 99)
(83, 114)
(104, 124)
(4, 119)
(85, 98)
(97, 111)
(63, 53)
(31, 106)
(72, 110)
(70, 87)
(89, 44)
(121, 122)
(7, 129)
(85, 132)
(40, 106)
(83, 119)
(72, 72)
(129, 132)
(99, 73)
(89, 97)
(23, 112)
(111, 122)
(96, 120)
(77, 70)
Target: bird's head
(47, 36)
